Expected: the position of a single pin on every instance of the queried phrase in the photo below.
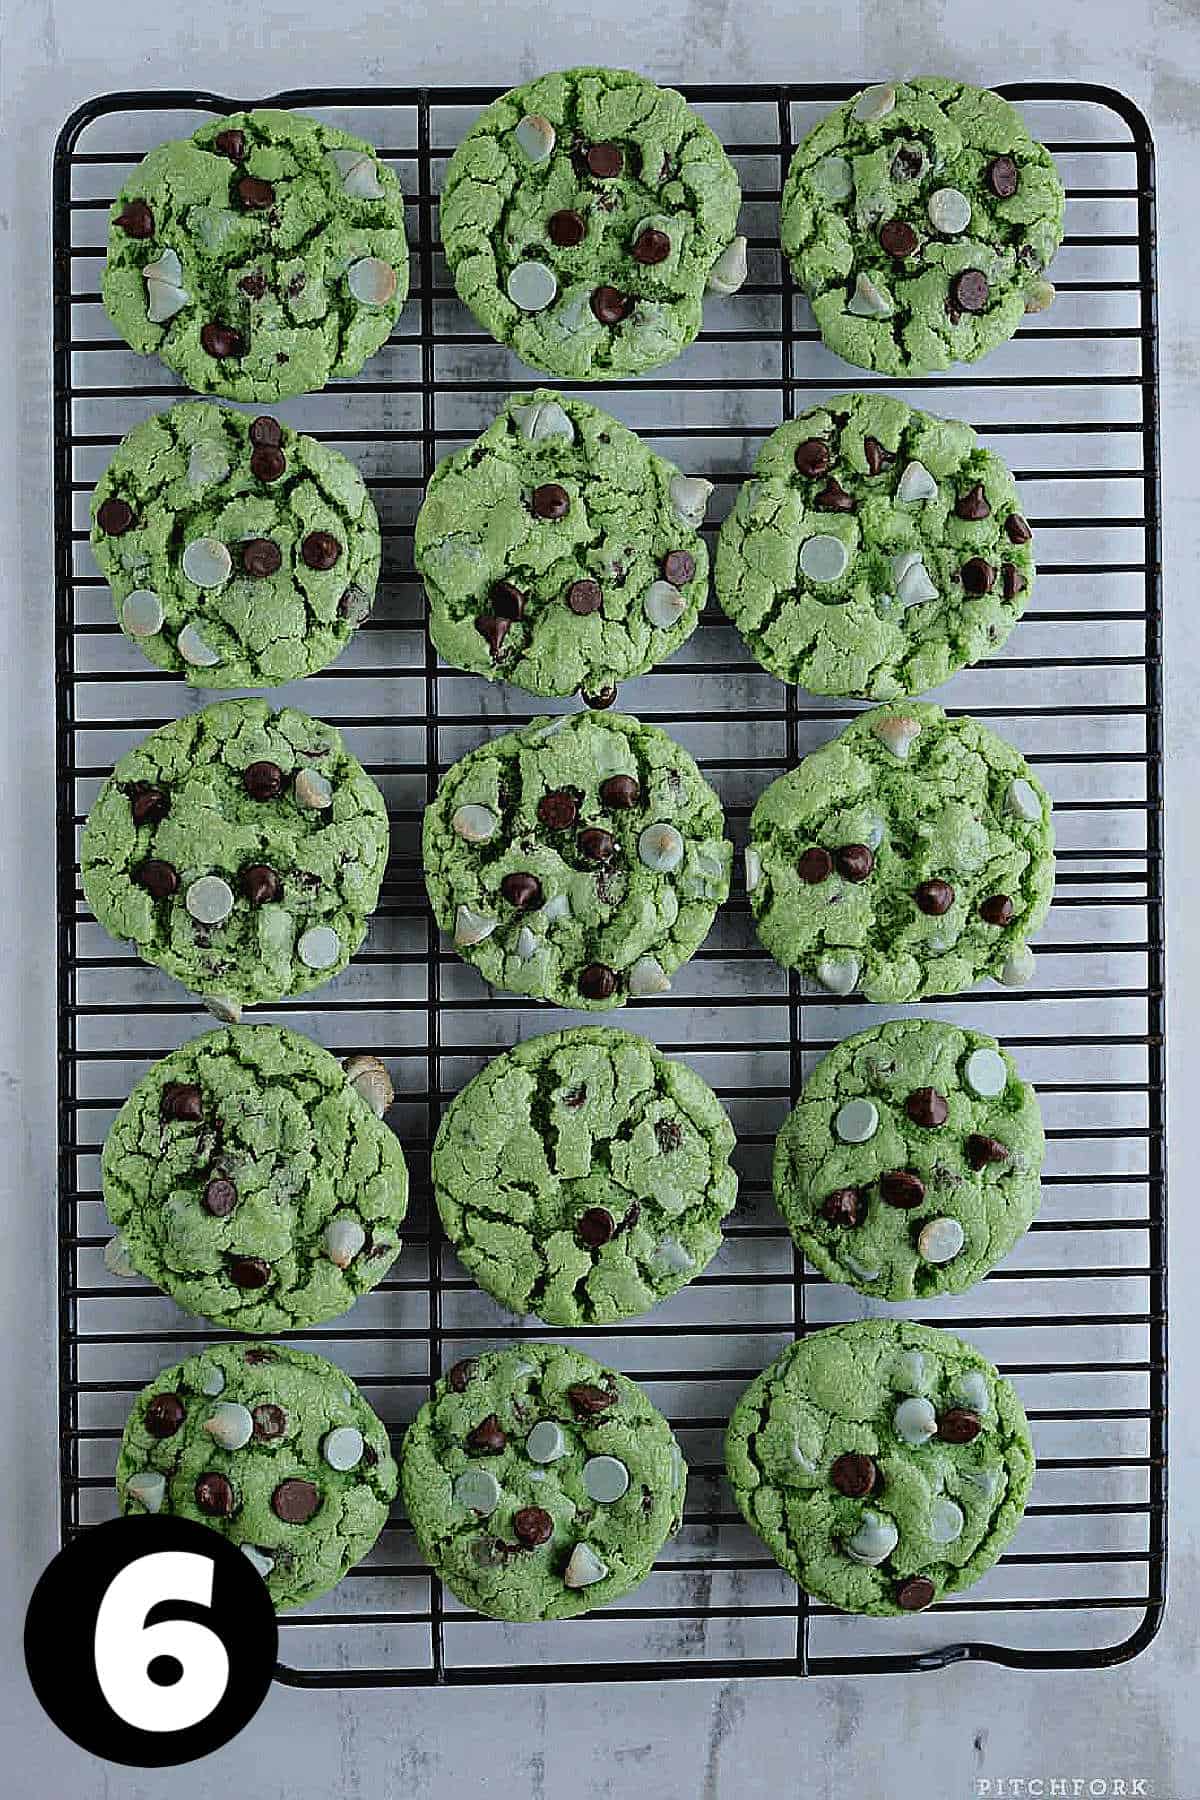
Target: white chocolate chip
(1039, 296)
(371, 1082)
(823, 558)
(664, 605)
(874, 1540)
(833, 178)
(193, 649)
(860, 1269)
(358, 172)
(945, 1521)
(940, 1240)
(476, 824)
(258, 1559)
(209, 900)
(870, 301)
(646, 977)
(546, 1442)
(605, 1479)
(558, 906)
(670, 1257)
(660, 847)
(897, 734)
(319, 948)
(142, 613)
(372, 282)
(729, 271)
(165, 292)
(856, 1122)
(913, 586)
(986, 1073)
(543, 419)
(312, 790)
(915, 484)
(343, 1447)
(536, 136)
(971, 1389)
(214, 1381)
(207, 462)
(230, 1425)
(986, 1480)
(526, 945)
(206, 562)
(753, 868)
(584, 1569)
(147, 1487)
(471, 927)
(838, 973)
(949, 211)
(1018, 969)
(344, 1238)
(911, 1373)
(915, 1420)
(531, 286)
(116, 1259)
(1023, 801)
(689, 499)
(875, 103)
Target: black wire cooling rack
(1077, 1314)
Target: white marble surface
(898, 1737)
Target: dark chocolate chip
(584, 597)
(834, 498)
(602, 698)
(254, 284)
(182, 1100)
(574, 1098)
(550, 501)
(261, 557)
(493, 631)
(595, 1227)
(610, 305)
(254, 194)
(815, 866)
(981, 1150)
(164, 1415)
(620, 792)
(934, 897)
(977, 575)
(651, 246)
(260, 884)
(160, 879)
(320, 550)
(521, 890)
(114, 516)
(587, 1400)
(669, 1135)
(267, 462)
(969, 291)
(487, 1438)
(266, 430)
(220, 341)
(270, 1421)
(137, 221)
(925, 1106)
(842, 1207)
(604, 160)
(533, 1525)
(295, 1501)
(854, 1475)
(1003, 177)
(597, 845)
(678, 567)
(1017, 529)
(915, 1594)
(231, 144)
(149, 805)
(973, 504)
(875, 454)
(908, 163)
(854, 861)
(214, 1495)
(898, 238)
(461, 1373)
(566, 228)
(220, 1197)
(508, 602)
(597, 982)
(263, 780)
(558, 810)
(249, 1272)
(1012, 582)
(997, 909)
(959, 1425)
(900, 1187)
(812, 456)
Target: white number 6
(125, 1646)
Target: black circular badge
(150, 1641)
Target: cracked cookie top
(874, 551)
(885, 1465)
(240, 849)
(260, 257)
(275, 1449)
(240, 553)
(911, 1162)
(583, 1176)
(250, 1179)
(583, 216)
(918, 217)
(559, 552)
(540, 1484)
(911, 855)
(581, 859)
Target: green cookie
(275, 1449)
(560, 553)
(240, 554)
(884, 1465)
(583, 216)
(258, 258)
(239, 849)
(541, 1485)
(874, 551)
(918, 217)
(911, 855)
(581, 859)
(910, 1165)
(249, 1177)
(583, 1176)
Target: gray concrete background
(931, 1735)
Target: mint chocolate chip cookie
(885, 1466)
(258, 258)
(581, 859)
(541, 1485)
(583, 216)
(275, 1449)
(558, 552)
(919, 218)
(252, 1177)
(875, 550)
(911, 1163)
(240, 849)
(911, 855)
(240, 553)
(583, 1176)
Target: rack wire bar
(1077, 1316)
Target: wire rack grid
(1076, 1316)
